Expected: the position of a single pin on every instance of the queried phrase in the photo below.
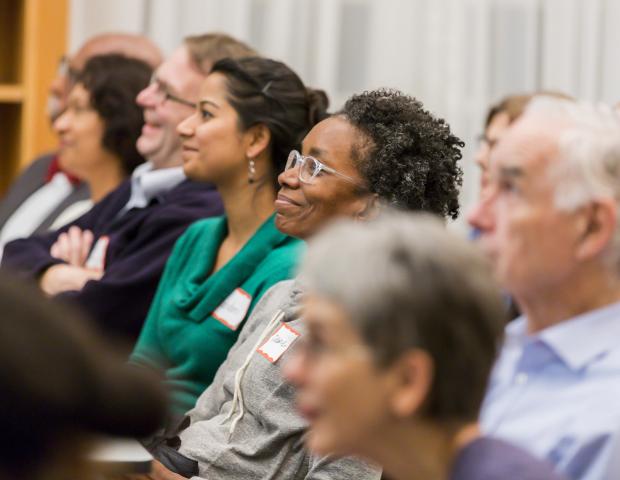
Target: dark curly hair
(266, 91)
(113, 82)
(407, 156)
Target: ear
(598, 228)
(370, 207)
(412, 378)
(257, 140)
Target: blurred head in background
(549, 218)
(101, 122)
(499, 117)
(129, 45)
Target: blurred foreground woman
(59, 386)
(404, 323)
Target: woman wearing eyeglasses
(250, 114)
(381, 148)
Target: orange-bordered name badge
(281, 340)
(233, 309)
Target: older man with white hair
(549, 221)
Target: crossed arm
(73, 247)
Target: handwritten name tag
(278, 343)
(232, 311)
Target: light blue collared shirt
(557, 393)
(147, 183)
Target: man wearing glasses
(44, 190)
(109, 261)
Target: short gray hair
(589, 150)
(408, 283)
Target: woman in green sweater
(252, 112)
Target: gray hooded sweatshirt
(266, 440)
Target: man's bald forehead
(128, 44)
(529, 138)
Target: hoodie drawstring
(237, 400)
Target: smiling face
(302, 209)
(531, 242)
(80, 129)
(159, 141)
(340, 391)
(214, 149)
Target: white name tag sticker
(96, 259)
(278, 343)
(233, 309)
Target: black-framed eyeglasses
(161, 93)
(310, 168)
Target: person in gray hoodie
(383, 147)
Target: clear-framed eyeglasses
(161, 93)
(310, 168)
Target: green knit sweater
(196, 316)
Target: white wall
(456, 56)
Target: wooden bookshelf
(11, 93)
(33, 34)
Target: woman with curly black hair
(411, 156)
(383, 147)
(99, 128)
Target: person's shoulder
(281, 262)
(287, 251)
(275, 298)
(278, 294)
(190, 191)
(42, 162)
(120, 195)
(494, 459)
(188, 201)
(204, 226)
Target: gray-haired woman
(404, 323)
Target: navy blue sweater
(140, 242)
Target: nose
(146, 97)
(289, 178)
(481, 217)
(187, 127)
(62, 123)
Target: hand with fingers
(73, 246)
(62, 278)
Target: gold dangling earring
(251, 170)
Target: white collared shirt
(147, 183)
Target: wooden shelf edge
(11, 93)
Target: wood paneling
(35, 33)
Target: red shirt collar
(55, 168)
